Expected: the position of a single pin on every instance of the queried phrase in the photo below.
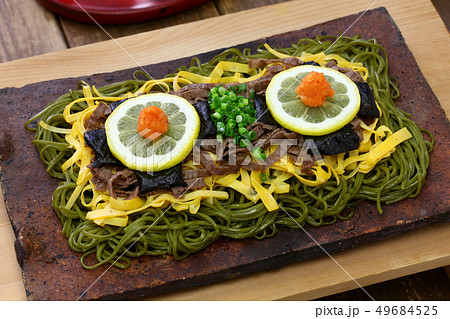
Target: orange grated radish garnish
(314, 89)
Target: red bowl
(118, 11)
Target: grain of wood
(428, 285)
(78, 33)
(10, 276)
(231, 6)
(424, 286)
(320, 277)
(27, 29)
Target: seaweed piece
(96, 140)
(164, 179)
(262, 112)
(208, 128)
(368, 107)
(311, 63)
(115, 104)
(341, 141)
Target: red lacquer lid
(118, 11)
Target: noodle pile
(165, 231)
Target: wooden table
(27, 29)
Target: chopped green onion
(263, 177)
(220, 127)
(243, 131)
(231, 123)
(232, 112)
(258, 154)
(244, 143)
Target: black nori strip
(164, 179)
(368, 108)
(262, 112)
(96, 140)
(115, 104)
(311, 63)
(208, 128)
(341, 141)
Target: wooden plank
(11, 284)
(78, 33)
(27, 29)
(428, 285)
(231, 6)
(397, 257)
(419, 23)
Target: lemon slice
(288, 110)
(143, 154)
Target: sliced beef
(262, 63)
(353, 75)
(188, 174)
(273, 134)
(259, 85)
(119, 181)
(262, 166)
(195, 92)
(96, 140)
(98, 117)
(307, 164)
(192, 184)
(123, 183)
(101, 176)
(275, 68)
(213, 169)
(261, 128)
(356, 127)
